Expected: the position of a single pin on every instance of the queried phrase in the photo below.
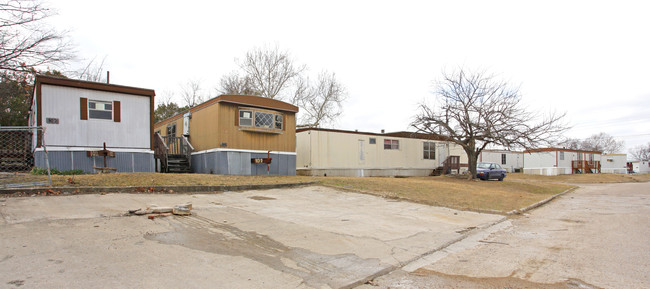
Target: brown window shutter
(116, 111)
(83, 108)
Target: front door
(442, 153)
(186, 123)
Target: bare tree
(323, 103)
(641, 152)
(25, 41)
(602, 142)
(571, 143)
(239, 85)
(475, 109)
(270, 70)
(272, 73)
(191, 93)
(93, 71)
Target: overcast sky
(590, 59)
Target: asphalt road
(595, 237)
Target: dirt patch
(261, 198)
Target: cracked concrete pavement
(594, 237)
(309, 237)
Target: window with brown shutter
(116, 111)
(84, 108)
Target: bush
(41, 171)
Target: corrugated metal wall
(239, 163)
(124, 162)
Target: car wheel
(487, 177)
(501, 178)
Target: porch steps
(178, 164)
(437, 171)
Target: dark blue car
(486, 171)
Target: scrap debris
(154, 211)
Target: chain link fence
(17, 158)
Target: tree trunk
(472, 158)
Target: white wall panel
(63, 103)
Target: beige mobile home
(511, 161)
(350, 153)
(614, 164)
(560, 161)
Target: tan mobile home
(235, 134)
(350, 153)
(560, 161)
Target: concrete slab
(308, 237)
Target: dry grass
(582, 178)
(453, 192)
(156, 179)
(516, 192)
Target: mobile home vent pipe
(108, 77)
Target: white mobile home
(350, 153)
(641, 167)
(614, 164)
(79, 117)
(560, 161)
(511, 161)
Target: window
(391, 144)
(263, 119)
(561, 156)
(372, 140)
(171, 130)
(278, 121)
(429, 150)
(591, 157)
(100, 110)
(503, 159)
(245, 118)
(259, 119)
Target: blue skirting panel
(239, 163)
(124, 162)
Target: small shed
(80, 117)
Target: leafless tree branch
(25, 41)
(191, 93)
(641, 152)
(474, 110)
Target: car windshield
(483, 165)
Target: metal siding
(63, 103)
(123, 161)
(143, 162)
(291, 165)
(221, 163)
(83, 162)
(239, 163)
